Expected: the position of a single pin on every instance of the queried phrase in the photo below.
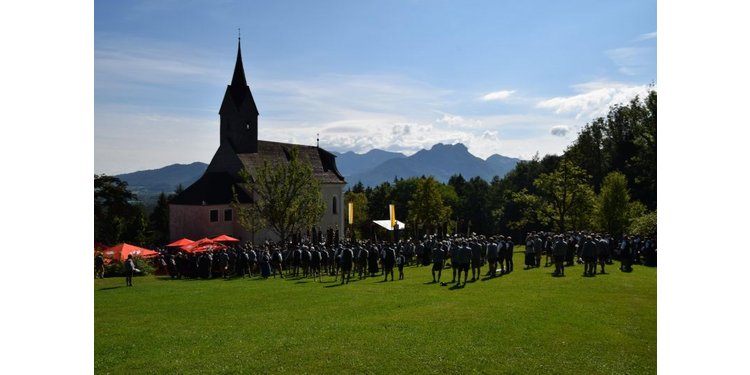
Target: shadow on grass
(112, 287)
(457, 286)
(334, 285)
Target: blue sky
(513, 78)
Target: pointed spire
(238, 79)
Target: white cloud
(646, 36)
(497, 95)
(595, 99)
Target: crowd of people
(363, 259)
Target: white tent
(387, 224)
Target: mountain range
(372, 168)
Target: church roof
(323, 162)
(212, 188)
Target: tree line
(604, 181)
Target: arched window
(335, 206)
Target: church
(204, 209)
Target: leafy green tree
(534, 212)
(582, 209)
(427, 209)
(285, 195)
(612, 214)
(644, 226)
(562, 189)
(361, 218)
(378, 201)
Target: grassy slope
(525, 322)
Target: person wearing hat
(129, 270)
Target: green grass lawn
(527, 322)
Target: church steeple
(238, 79)
(239, 115)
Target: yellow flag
(351, 212)
(392, 209)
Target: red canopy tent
(204, 244)
(121, 251)
(225, 238)
(181, 242)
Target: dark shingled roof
(212, 188)
(323, 162)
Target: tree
(361, 219)
(114, 215)
(286, 196)
(612, 206)
(644, 226)
(561, 189)
(426, 208)
(159, 220)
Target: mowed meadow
(526, 322)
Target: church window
(228, 214)
(335, 206)
(214, 216)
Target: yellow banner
(392, 209)
(351, 212)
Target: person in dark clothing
(464, 262)
(347, 257)
(171, 266)
(265, 264)
(476, 261)
(625, 255)
(438, 254)
(400, 261)
(99, 266)
(276, 262)
(558, 253)
(588, 253)
(508, 254)
(453, 250)
(389, 260)
(529, 258)
(602, 254)
(223, 260)
(362, 257)
(372, 261)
